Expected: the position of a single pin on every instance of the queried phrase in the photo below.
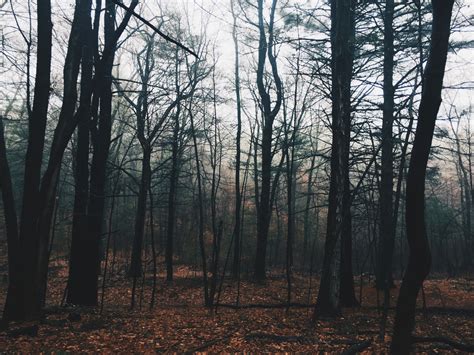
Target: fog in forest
(236, 176)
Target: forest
(237, 176)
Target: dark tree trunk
(141, 107)
(136, 268)
(35, 268)
(238, 197)
(201, 213)
(419, 259)
(306, 221)
(23, 304)
(79, 223)
(347, 291)
(89, 248)
(81, 176)
(98, 173)
(64, 130)
(172, 200)
(264, 207)
(11, 224)
(342, 38)
(387, 236)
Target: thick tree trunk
(77, 262)
(65, 128)
(384, 279)
(264, 209)
(264, 206)
(11, 224)
(347, 296)
(101, 146)
(342, 41)
(100, 139)
(23, 304)
(38, 217)
(79, 223)
(387, 236)
(347, 291)
(420, 258)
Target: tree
(387, 228)
(264, 206)
(419, 259)
(238, 136)
(21, 302)
(342, 39)
(88, 242)
(39, 195)
(81, 170)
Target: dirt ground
(180, 323)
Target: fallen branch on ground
(209, 343)
(357, 347)
(265, 306)
(437, 310)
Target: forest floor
(180, 323)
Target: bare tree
(342, 40)
(420, 258)
(264, 207)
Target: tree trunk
(81, 173)
(419, 259)
(23, 304)
(101, 146)
(387, 237)
(306, 222)
(79, 223)
(347, 291)
(136, 268)
(11, 223)
(264, 207)
(342, 41)
(201, 213)
(100, 138)
(237, 187)
(172, 200)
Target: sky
(215, 14)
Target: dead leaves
(180, 323)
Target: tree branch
(154, 28)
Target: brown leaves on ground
(179, 322)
